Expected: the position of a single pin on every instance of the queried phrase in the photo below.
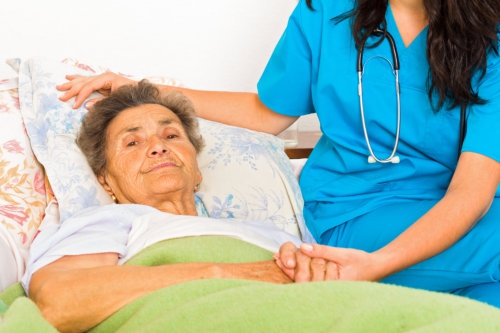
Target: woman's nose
(157, 147)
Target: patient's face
(150, 159)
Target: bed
(247, 176)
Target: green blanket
(249, 306)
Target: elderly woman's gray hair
(92, 136)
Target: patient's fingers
(286, 260)
(287, 255)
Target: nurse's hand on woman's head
(313, 262)
(81, 87)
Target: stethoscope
(393, 158)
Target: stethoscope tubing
(393, 158)
(395, 68)
(392, 43)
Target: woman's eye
(172, 136)
(131, 143)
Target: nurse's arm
(467, 200)
(75, 293)
(242, 109)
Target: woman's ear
(102, 180)
(200, 177)
(198, 180)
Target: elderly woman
(143, 150)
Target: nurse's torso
(338, 183)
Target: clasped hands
(313, 262)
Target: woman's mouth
(163, 165)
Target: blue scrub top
(313, 70)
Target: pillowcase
(246, 174)
(52, 127)
(23, 196)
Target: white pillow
(246, 174)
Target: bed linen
(218, 305)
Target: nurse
(403, 185)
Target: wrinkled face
(149, 157)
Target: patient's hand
(266, 271)
(81, 87)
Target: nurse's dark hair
(460, 36)
(92, 138)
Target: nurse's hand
(81, 87)
(313, 262)
(302, 268)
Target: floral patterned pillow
(246, 174)
(23, 196)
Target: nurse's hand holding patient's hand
(313, 262)
(302, 268)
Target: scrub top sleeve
(285, 85)
(483, 135)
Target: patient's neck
(178, 207)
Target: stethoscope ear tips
(393, 160)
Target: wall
(218, 44)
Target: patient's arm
(76, 293)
